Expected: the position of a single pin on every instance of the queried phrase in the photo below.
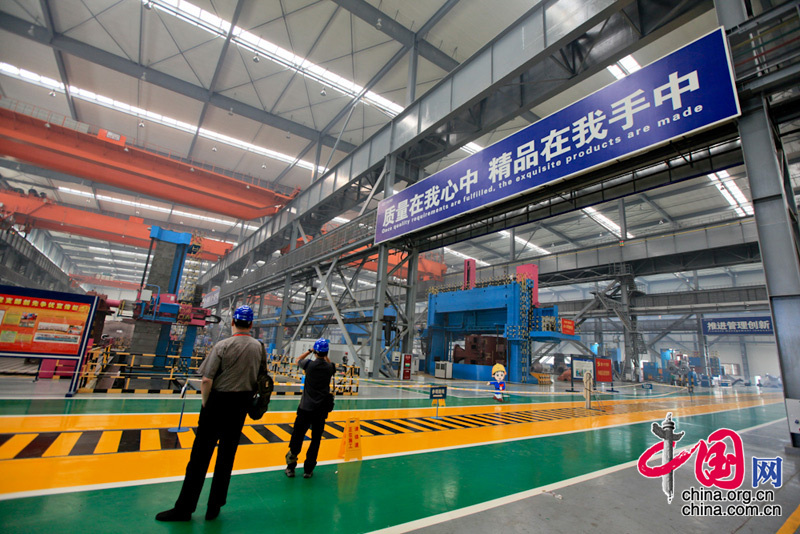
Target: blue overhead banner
(738, 325)
(689, 90)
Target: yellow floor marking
(412, 425)
(252, 435)
(281, 433)
(380, 431)
(399, 429)
(332, 431)
(14, 445)
(186, 439)
(61, 423)
(150, 440)
(791, 525)
(109, 442)
(447, 425)
(45, 473)
(63, 444)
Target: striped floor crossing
(94, 442)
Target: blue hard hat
(243, 313)
(321, 345)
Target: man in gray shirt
(229, 378)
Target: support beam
(73, 47)
(398, 32)
(778, 238)
(62, 71)
(217, 71)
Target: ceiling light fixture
(141, 124)
(378, 24)
(623, 67)
(256, 59)
(213, 149)
(323, 92)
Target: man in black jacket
(314, 407)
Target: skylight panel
(524, 243)
(605, 222)
(727, 187)
(465, 257)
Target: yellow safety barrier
(351, 441)
(543, 379)
(529, 393)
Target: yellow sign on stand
(438, 402)
(351, 441)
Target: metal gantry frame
(592, 189)
(520, 68)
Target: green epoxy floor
(173, 404)
(362, 496)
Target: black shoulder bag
(263, 391)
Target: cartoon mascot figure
(499, 382)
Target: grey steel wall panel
(691, 241)
(476, 73)
(406, 128)
(636, 250)
(526, 39)
(661, 247)
(381, 145)
(562, 17)
(432, 102)
(610, 254)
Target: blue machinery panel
(504, 310)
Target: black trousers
(304, 420)
(221, 420)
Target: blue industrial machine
(160, 304)
(507, 308)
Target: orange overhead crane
(106, 159)
(42, 213)
(105, 282)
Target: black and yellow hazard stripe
(90, 442)
(164, 391)
(138, 391)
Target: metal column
(627, 334)
(411, 300)
(745, 361)
(413, 54)
(778, 239)
(382, 282)
(776, 216)
(287, 299)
